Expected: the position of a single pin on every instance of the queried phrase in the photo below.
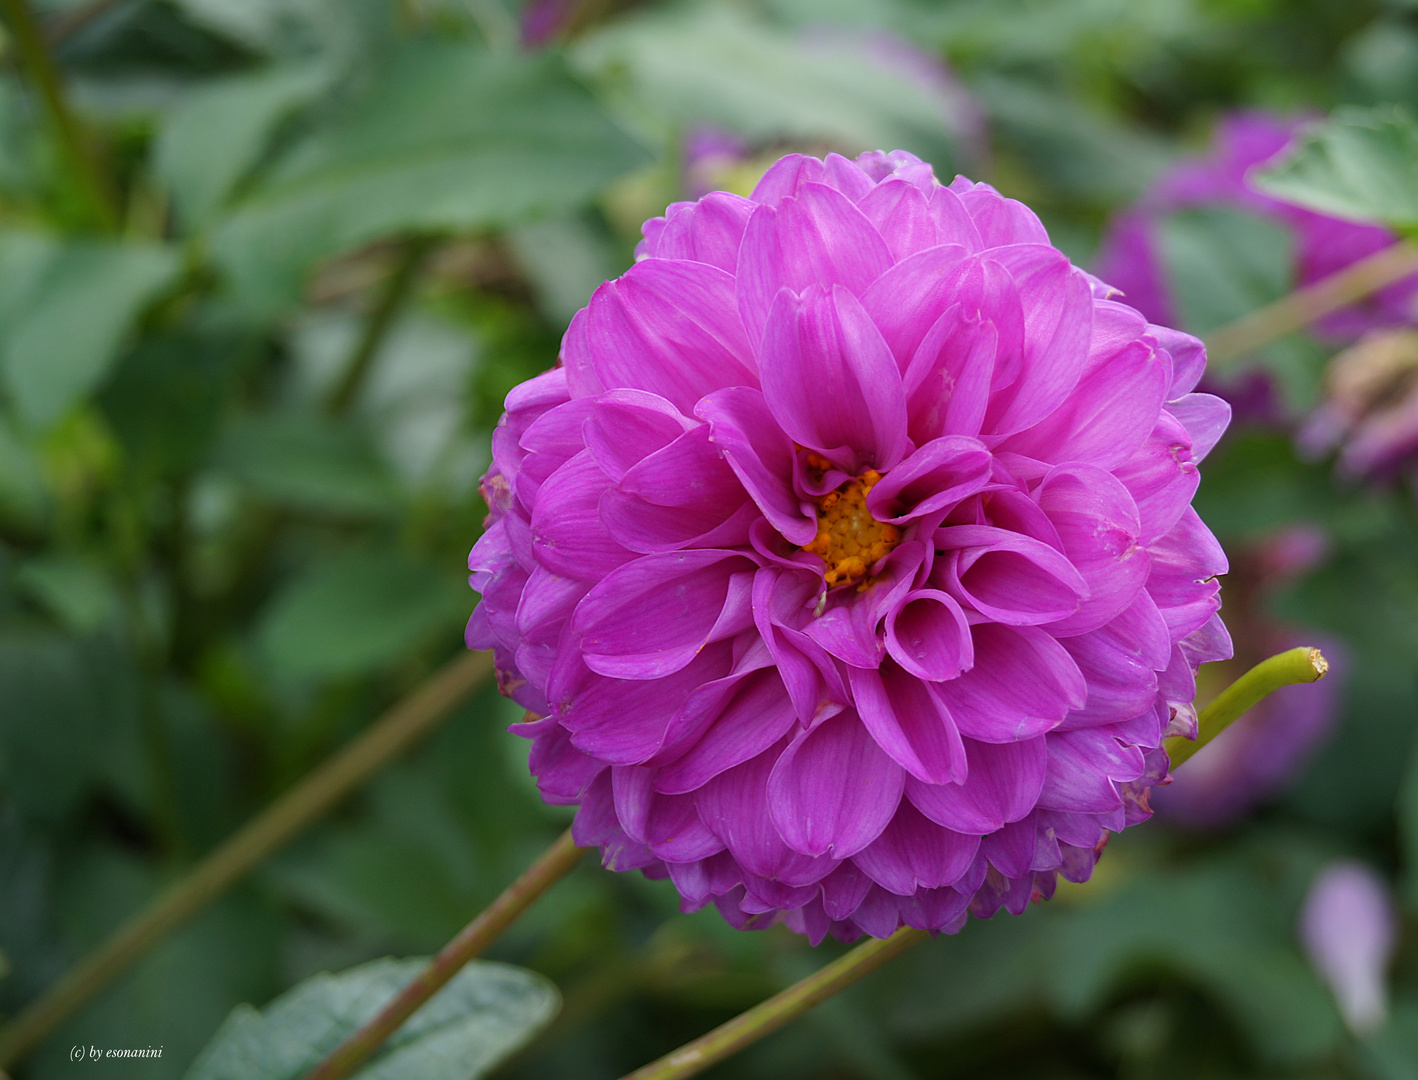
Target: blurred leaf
(62, 699)
(1391, 1053)
(79, 594)
(1068, 147)
(484, 1014)
(1223, 264)
(715, 64)
(447, 136)
(62, 337)
(1219, 926)
(178, 992)
(220, 132)
(1360, 164)
(166, 397)
(22, 491)
(308, 462)
(358, 610)
(565, 260)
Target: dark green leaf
(307, 462)
(354, 611)
(485, 1013)
(212, 141)
(79, 594)
(1360, 164)
(66, 331)
(446, 137)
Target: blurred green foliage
(240, 437)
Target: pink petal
(914, 852)
(568, 537)
(1009, 577)
(757, 716)
(833, 789)
(1205, 417)
(1002, 786)
(650, 617)
(908, 297)
(743, 428)
(1023, 684)
(908, 721)
(1098, 523)
(929, 636)
(625, 426)
(707, 231)
(668, 327)
(901, 214)
(934, 478)
(815, 238)
(830, 380)
(1084, 768)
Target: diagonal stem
(767, 1017)
(396, 291)
(1298, 309)
(30, 44)
(550, 867)
(284, 819)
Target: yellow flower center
(849, 540)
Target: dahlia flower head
(846, 563)
(1324, 245)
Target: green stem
(1298, 665)
(550, 867)
(769, 1016)
(30, 44)
(396, 291)
(1298, 309)
(284, 819)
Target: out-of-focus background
(267, 270)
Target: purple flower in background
(1265, 749)
(542, 21)
(709, 152)
(1130, 260)
(847, 562)
(1349, 930)
(1369, 409)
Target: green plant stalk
(287, 817)
(396, 290)
(767, 1017)
(1298, 309)
(1298, 665)
(551, 866)
(30, 43)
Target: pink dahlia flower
(847, 561)
(1324, 245)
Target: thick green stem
(550, 867)
(1298, 665)
(284, 819)
(1298, 309)
(29, 42)
(765, 1018)
(396, 291)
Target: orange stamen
(849, 540)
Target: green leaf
(1391, 1053)
(1223, 264)
(65, 331)
(484, 1014)
(1360, 164)
(78, 593)
(310, 463)
(445, 137)
(220, 132)
(358, 610)
(715, 64)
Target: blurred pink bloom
(1349, 929)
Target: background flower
(847, 563)
(1347, 925)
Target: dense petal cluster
(847, 561)
(1324, 245)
